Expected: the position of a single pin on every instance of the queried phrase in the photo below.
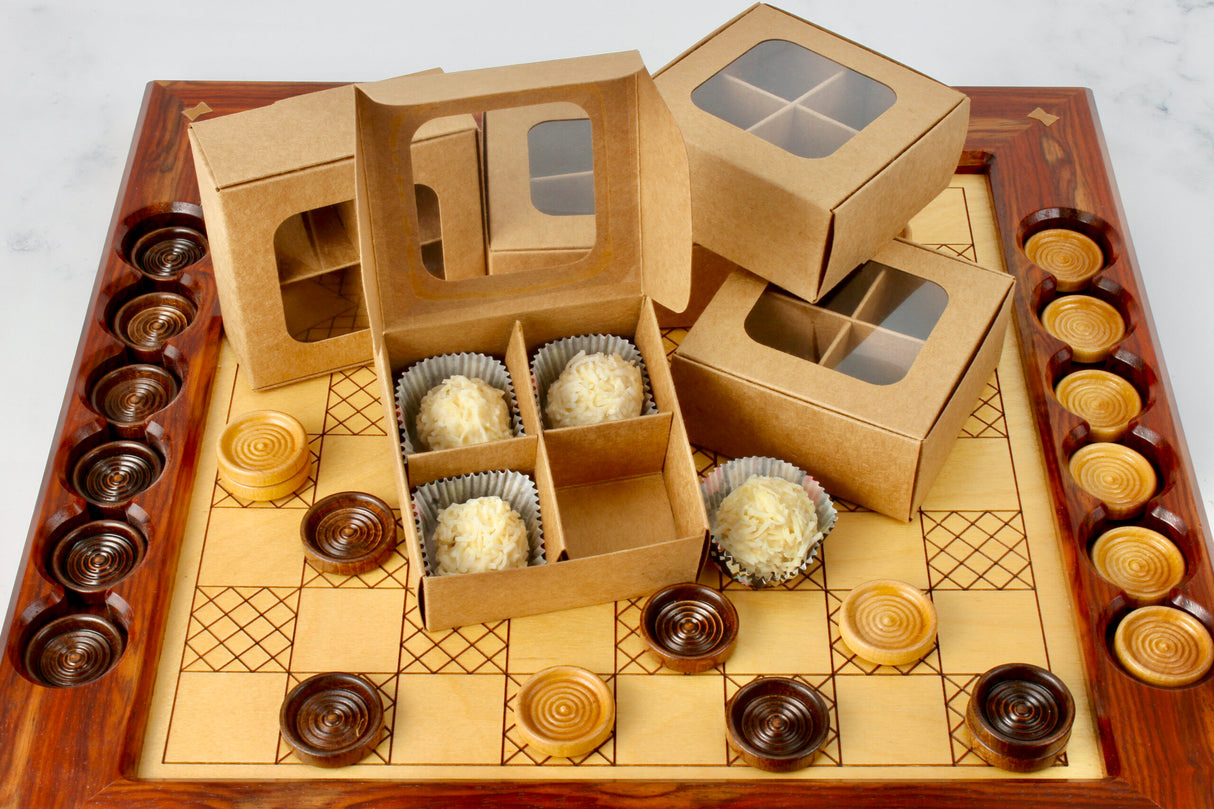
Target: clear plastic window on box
(870, 327)
(561, 164)
(318, 267)
(796, 99)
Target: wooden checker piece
(1104, 400)
(1164, 646)
(1115, 475)
(777, 724)
(333, 719)
(565, 711)
(888, 622)
(1143, 563)
(690, 627)
(1088, 325)
(1068, 255)
(263, 455)
(348, 533)
(1019, 717)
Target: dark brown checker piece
(332, 719)
(1020, 717)
(690, 627)
(777, 724)
(348, 533)
(1154, 741)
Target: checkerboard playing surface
(250, 618)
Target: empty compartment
(852, 290)
(902, 302)
(850, 98)
(733, 100)
(610, 485)
(873, 355)
(788, 324)
(803, 132)
(782, 68)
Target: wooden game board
(250, 619)
(223, 615)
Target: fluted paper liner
(421, 377)
(732, 474)
(516, 488)
(551, 359)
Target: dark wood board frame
(75, 747)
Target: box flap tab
(665, 201)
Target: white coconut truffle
(478, 535)
(767, 524)
(462, 411)
(594, 388)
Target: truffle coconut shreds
(593, 388)
(767, 524)
(478, 535)
(462, 411)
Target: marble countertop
(75, 75)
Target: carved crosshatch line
(303, 497)
(473, 649)
(987, 420)
(959, 250)
(632, 654)
(241, 629)
(977, 550)
(516, 751)
(354, 406)
(829, 755)
(385, 686)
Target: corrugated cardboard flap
(642, 206)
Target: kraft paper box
(541, 199)
(277, 188)
(539, 162)
(808, 152)
(866, 390)
(620, 503)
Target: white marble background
(74, 74)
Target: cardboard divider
(612, 449)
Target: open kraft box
(866, 390)
(277, 190)
(808, 152)
(620, 503)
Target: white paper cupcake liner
(550, 360)
(516, 488)
(418, 379)
(732, 474)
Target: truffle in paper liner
(728, 476)
(421, 377)
(550, 360)
(516, 488)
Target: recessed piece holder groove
(1162, 645)
(97, 541)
